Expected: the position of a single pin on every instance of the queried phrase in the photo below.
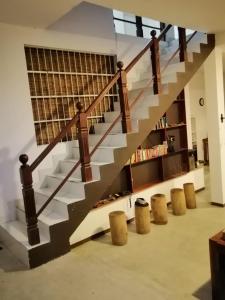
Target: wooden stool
(178, 201)
(142, 218)
(118, 227)
(159, 209)
(189, 192)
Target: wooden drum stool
(159, 209)
(118, 227)
(189, 192)
(178, 201)
(142, 218)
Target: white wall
(17, 129)
(196, 89)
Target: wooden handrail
(138, 57)
(48, 149)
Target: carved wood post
(29, 201)
(82, 130)
(155, 58)
(182, 44)
(123, 94)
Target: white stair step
(18, 231)
(102, 154)
(110, 116)
(44, 222)
(72, 186)
(103, 127)
(117, 140)
(65, 166)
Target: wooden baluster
(182, 44)
(139, 29)
(123, 94)
(82, 130)
(155, 58)
(29, 201)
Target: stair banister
(125, 114)
(155, 59)
(182, 44)
(29, 201)
(82, 134)
(123, 96)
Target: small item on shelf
(171, 140)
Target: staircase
(75, 199)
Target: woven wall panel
(58, 79)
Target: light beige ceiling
(204, 15)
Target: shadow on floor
(204, 292)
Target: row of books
(162, 123)
(145, 154)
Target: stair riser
(101, 155)
(74, 188)
(65, 167)
(43, 228)
(111, 116)
(110, 140)
(54, 206)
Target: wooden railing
(80, 119)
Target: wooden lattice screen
(58, 79)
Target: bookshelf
(154, 162)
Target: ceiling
(203, 15)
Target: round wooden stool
(189, 192)
(118, 227)
(159, 209)
(142, 218)
(178, 201)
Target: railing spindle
(155, 58)
(29, 201)
(182, 44)
(123, 95)
(82, 129)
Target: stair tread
(49, 219)
(101, 147)
(17, 229)
(66, 198)
(97, 163)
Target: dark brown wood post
(123, 94)
(29, 201)
(182, 44)
(82, 130)
(139, 29)
(155, 58)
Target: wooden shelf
(143, 174)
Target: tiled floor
(172, 262)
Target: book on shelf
(162, 123)
(149, 153)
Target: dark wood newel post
(182, 44)
(29, 201)
(82, 130)
(155, 58)
(123, 94)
